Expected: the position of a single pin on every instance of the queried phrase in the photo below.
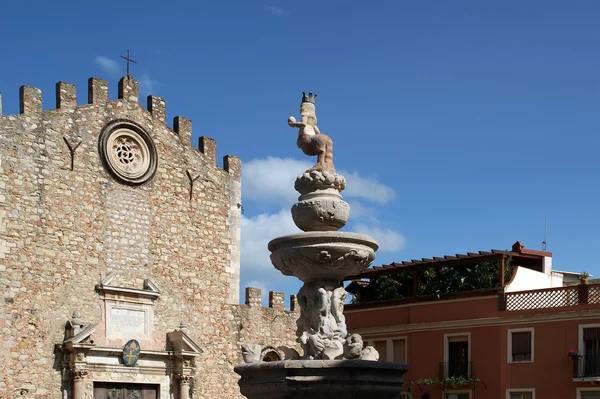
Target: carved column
(321, 326)
(184, 385)
(78, 377)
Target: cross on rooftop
(128, 61)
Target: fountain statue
(333, 362)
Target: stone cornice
(109, 289)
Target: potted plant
(583, 277)
(574, 354)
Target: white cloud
(358, 210)
(147, 85)
(389, 240)
(271, 180)
(107, 65)
(276, 11)
(367, 188)
(257, 231)
(261, 284)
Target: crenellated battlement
(276, 300)
(30, 102)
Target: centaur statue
(310, 140)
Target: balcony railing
(586, 366)
(456, 369)
(551, 297)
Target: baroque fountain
(333, 363)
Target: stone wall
(267, 326)
(66, 223)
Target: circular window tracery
(128, 152)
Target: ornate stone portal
(333, 362)
(93, 360)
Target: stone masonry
(66, 224)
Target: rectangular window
(520, 345)
(591, 347)
(458, 395)
(590, 395)
(520, 395)
(458, 357)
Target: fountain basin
(322, 255)
(321, 379)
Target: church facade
(120, 254)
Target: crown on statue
(310, 98)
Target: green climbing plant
(436, 281)
(453, 382)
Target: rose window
(128, 153)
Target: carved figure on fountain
(322, 258)
(310, 140)
(320, 206)
(321, 326)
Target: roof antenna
(544, 242)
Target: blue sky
(460, 125)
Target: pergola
(519, 255)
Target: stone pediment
(82, 336)
(149, 290)
(183, 344)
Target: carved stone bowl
(321, 379)
(320, 207)
(322, 255)
(320, 213)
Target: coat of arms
(131, 352)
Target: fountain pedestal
(334, 364)
(321, 379)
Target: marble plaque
(127, 322)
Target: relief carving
(78, 374)
(184, 379)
